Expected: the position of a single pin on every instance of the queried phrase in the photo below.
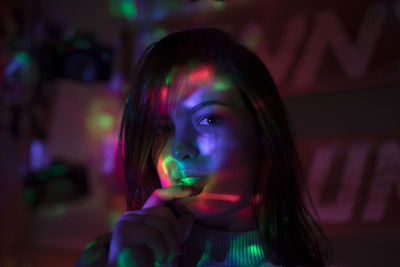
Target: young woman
(211, 170)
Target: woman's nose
(184, 150)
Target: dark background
(65, 68)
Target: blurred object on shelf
(61, 182)
(75, 55)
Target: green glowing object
(128, 9)
(188, 180)
(105, 121)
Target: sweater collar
(210, 247)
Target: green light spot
(188, 180)
(105, 121)
(221, 85)
(128, 9)
(168, 79)
(22, 57)
(285, 219)
(180, 168)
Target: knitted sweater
(205, 247)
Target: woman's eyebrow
(201, 105)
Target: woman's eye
(210, 120)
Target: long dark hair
(290, 234)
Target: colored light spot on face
(125, 259)
(168, 79)
(225, 197)
(167, 161)
(164, 92)
(221, 86)
(201, 74)
(105, 121)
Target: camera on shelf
(78, 57)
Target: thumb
(163, 195)
(186, 221)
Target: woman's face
(208, 137)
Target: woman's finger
(167, 229)
(129, 234)
(162, 211)
(162, 195)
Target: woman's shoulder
(96, 252)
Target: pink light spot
(200, 74)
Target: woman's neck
(238, 221)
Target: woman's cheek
(206, 143)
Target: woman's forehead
(198, 84)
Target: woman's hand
(153, 233)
